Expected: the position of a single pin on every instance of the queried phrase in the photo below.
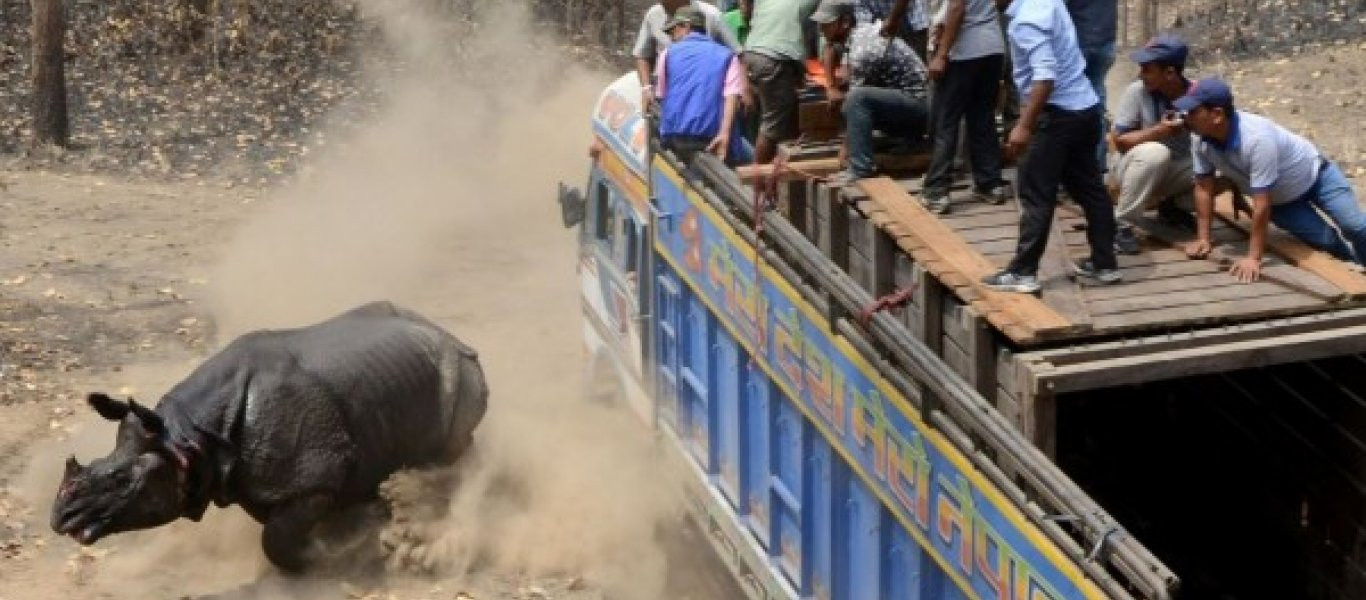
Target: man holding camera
(1154, 166)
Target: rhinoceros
(293, 425)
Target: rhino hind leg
(288, 531)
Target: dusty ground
(442, 201)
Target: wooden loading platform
(1171, 316)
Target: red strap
(892, 300)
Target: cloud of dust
(445, 203)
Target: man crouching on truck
(887, 90)
(1290, 182)
(700, 85)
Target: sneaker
(1107, 276)
(995, 195)
(1168, 212)
(1126, 242)
(1005, 281)
(938, 205)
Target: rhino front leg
(287, 535)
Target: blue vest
(693, 105)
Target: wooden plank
(982, 350)
(941, 244)
(1273, 270)
(931, 294)
(1207, 296)
(1205, 337)
(1216, 358)
(1332, 270)
(1004, 218)
(988, 234)
(821, 167)
(1039, 419)
(884, 254)
(794, 203)
(1200, 280)
(1195, 314)
(837, 228)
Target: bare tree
(50, 125)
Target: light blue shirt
(1259, 156)
(1043, 47)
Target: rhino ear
(151, 421)
(109, 408)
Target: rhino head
(139, 485)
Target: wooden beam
(821, 167)
(1336, 272)
(1039, 416)
(1286, 275)
(1207, 358)
(935, 246)
(1205, 337)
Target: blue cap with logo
(1165, 48)
(1210, 91)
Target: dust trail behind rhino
(444, 202)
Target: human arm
(747, 9)
(721, 143)
(1029, 118)
(1035, 51)
(1249, 268)
(953, 23)
(896, 18)
(1203, 194)
(644, 53)
(1263, 171)
(733, 90)
(644, 71)
(1166, 127)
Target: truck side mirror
(572, 205)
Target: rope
(892, 300)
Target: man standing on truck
(887, 86)
(1154, 165)
(774, 57)
(700, 85)
(966, 69)
(1289, 180)
(652, 38)
(1055, 139)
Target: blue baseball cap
(1165, 48)
(1210, 91)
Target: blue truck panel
(839, 481)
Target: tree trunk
(49, 78)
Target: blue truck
(837, 451)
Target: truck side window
(627, 257)
(604, 222)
